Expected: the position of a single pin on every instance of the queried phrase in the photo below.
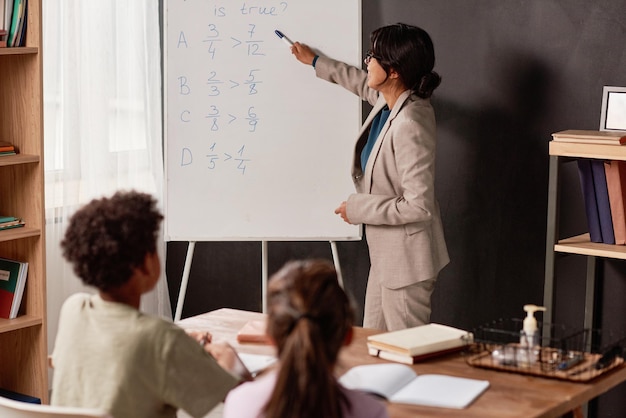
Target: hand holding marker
(283, 37)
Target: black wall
(514, 72)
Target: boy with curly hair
(109, 355)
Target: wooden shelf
(599, 151)
(582, 245)
(19, 51)
(23, 321)
(23, 340)
(19, 159)
(19, 233)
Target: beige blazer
(395, 194)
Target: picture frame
(613, 115)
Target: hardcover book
(591, 137)
(12, 280)
(6, 146)
(10, 222)
(407, 359)
(421, 340)
(589, 197)
(17, 396)
(602, 200)
(616, 184)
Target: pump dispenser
(529, 336)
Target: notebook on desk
(400, 384)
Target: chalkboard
(257, 147)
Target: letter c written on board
(184, 116)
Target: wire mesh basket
(559, 353)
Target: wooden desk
(509, 395)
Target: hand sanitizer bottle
(529, 337)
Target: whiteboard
(256, 146)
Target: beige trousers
(394, 309)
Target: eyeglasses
(369, 56)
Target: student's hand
(227, 357)
(203, 337)
(303, 53)
(341, 211)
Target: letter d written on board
(186, 157)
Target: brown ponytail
(309, 316)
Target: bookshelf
(23, 345)
(581, 244)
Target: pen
(608, 357)
(605, 361)
(570, 361)
(283, 37)
(204, 339)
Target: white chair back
(15, 409)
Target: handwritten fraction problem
(231, 116)
(256, 147)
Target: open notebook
(400, 384)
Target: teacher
(393, 171)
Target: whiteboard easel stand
(264, 275)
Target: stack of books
(418, 343)
(10, 222)
(7, 148)
(590, 137)
(602, 185)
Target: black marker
(283, 37)
(605, 361)
(607, 358)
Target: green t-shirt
(111, 356)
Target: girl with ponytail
(309, 319)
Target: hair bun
(428, 83)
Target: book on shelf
(19, 18)
(399, 383)
(588, 191)
(602, 199)
(616, 185)
(15, 21)
(20, 36)
(590, 137)
(6, 13)
(17, 396)
(6, 147)
(10, 222)
(6, 7)
(12, 280)
(420, 341)
(253, 332)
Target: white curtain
(102, 122)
